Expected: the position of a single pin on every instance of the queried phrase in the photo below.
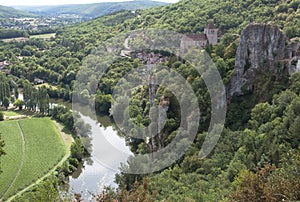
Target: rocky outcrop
(263, 47)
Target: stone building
(210, 36)
(211, 33)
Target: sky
(60, 2)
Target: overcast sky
(60, 2)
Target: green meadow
(43, 36)
(10, 113)
(33, 148)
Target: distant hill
(8, 12)
(90, 10)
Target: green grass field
(13, 113)
(10, 113)
(44, 149)
(11, 161)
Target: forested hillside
(257, 156)
(91, 10)
(193, 15)
(7, 12)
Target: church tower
(211, 33)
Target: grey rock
(262, 47)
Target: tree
(18, 103)
(4, 88)
(103, 103)
(251, 185)
(43, 100)
(1, 116)
(16, 91)
(260, 114)
(294, 84)
(295, 133)
(139, 192)
(2, 152)
(28, 92)
(46, 190)
(270, 183)
(6, 102)
(77, 149)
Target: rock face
(262, 47)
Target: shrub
(1, 116)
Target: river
(94, 174)
(100, 168)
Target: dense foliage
(272, 138)
(193, 15)
(47, 190)
(260, 138)
(10, 33)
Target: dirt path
(15, 117)
(22, 160)
(68, 140)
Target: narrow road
(22, 161)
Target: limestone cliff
(262, 48)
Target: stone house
(210, 36)
(211, 33)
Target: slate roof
(196, 37)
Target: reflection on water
(95, 174)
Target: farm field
(13, 141)
(44, 148)
(20, 39)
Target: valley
(192, 101)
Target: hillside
(193, 15)
(256, 134)
(91, 10)
(257, 155)
(7, 12)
